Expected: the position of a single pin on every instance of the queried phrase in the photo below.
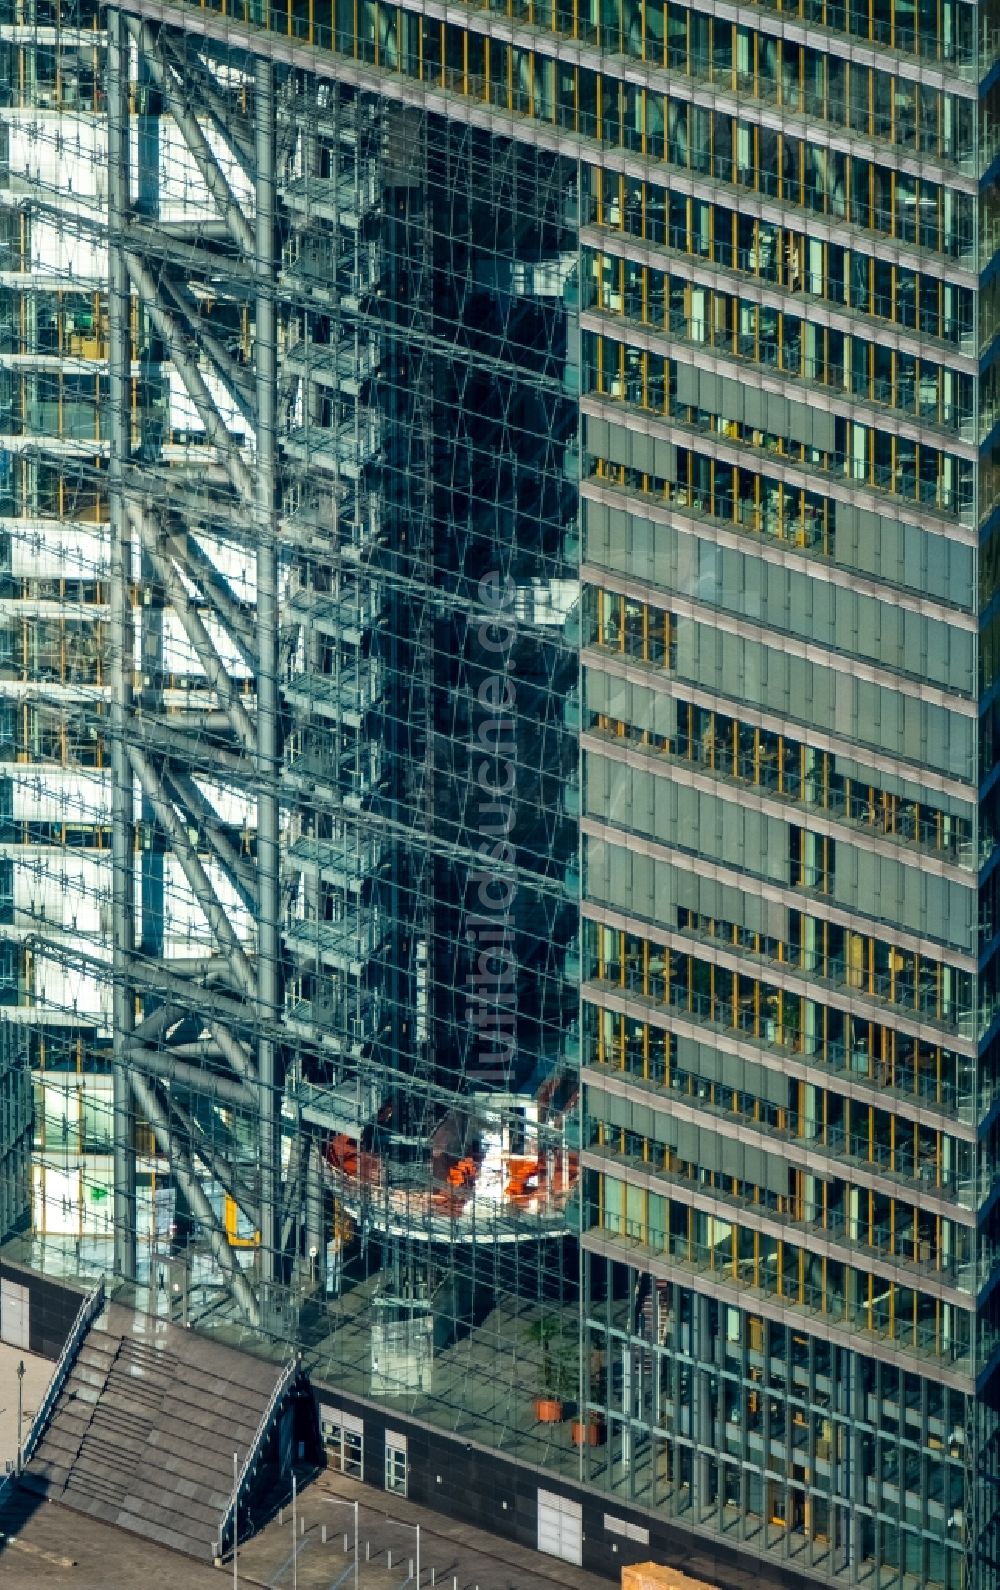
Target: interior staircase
(143, 1431)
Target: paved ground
(47, 1545)
(37, 1374)
(452, 1555)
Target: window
(395, 1462)
(344, 1439)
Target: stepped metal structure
(497, 690)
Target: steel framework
(332, 435)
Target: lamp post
(339, 1501)
(236, 1521)
(20, 1398)
(405, 1525)
(295, 1538)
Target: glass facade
(787, 946)
(498, 653)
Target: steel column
(269, 894)
(187, 1180)
(122, 646)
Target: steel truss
(379, 427)
(177, 572)
(186, 1041)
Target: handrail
(281, 1386)
(88, 1311)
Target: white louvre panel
(72, 164)
(622, 1527)
(64, 891)
(332, 1418)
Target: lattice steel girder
(182, 357)
(220, 1042)
(198, 566)
(209, 169)
(201, 641)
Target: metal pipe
(122, 646)
(239, 868)
(157, 976)
(208, 968)
(218, 1166)
(20, 1415)
(188, 550)
(187, 368)
(237, 1054)
(295, 1540)
(194, 872)
(315, 1244)
(268, 720)
(197, 1049)
(201, 151)
(161, 1065)
(240, 385)
(292, 1195)
(201, 641)
(338, 1501)
(159, 734)
(207, 95)
(156, 1023)
(160, 978)
(181, 1168)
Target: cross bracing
(256, 400)
(781, 373)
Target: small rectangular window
(344, 1439)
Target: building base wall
(477, 1486)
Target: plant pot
(548, 1410)
(587, 1432)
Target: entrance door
(395, 1462)
(560, 1527)
(14, 1314)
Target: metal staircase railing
(89, 1309)
(229, 1517)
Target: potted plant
(588, 1431)
(558, 1366)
